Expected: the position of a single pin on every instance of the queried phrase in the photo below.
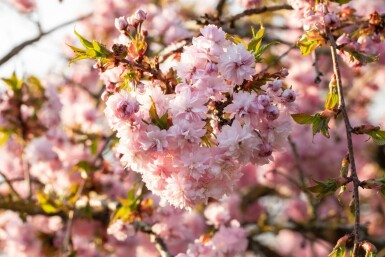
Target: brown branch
(160, 245)
(318, 74)
(220, 6)
(258, 10)
(348, 128)
(9, 183)
(17, 49)
(301, 172)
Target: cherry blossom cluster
(188, 145)
(318, 18)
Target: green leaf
(94, 146)
(49, 208)
(263, 49)
(341, 1)
(342, 190)
(306, 45)
(4, 136)
(303, 118)
(332, 100)
(161, 122)
(256, 41)
(93, 50)
(322, 189)
(13, 82)
(378, 136)
(46, 204)
(87, 44)
(320, 125)
(235, 39)
(363, 58)
(72, 254)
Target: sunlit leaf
(13, 82)
(364, 58)
(378, 136)
(307, 45)
(303, 118)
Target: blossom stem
(348, 128)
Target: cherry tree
(186, 129)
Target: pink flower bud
(140, 15)
(132, 21)
(125, 109)
(263, 100)
(272, 112)
(331, 20)
(289, 95)
(121, 24)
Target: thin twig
(301, 172)
(14, 51)
(9, 183)
(348, 128)
(258, 10)
(71, 214)
(318, 74)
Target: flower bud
(263, 100)
(121, 24)
(331, 20)
(140, 15)
(272, 112)
(289, 95)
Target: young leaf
(306, 45)
(161, 122)
(13, 82)
(255, 42)
(235, 39)
(262, 50)
(378, 136)
(341, 1)
(322, 189)
(332, 100)
(363, 58)
(4, 136)
(303, 118)
(87, 44)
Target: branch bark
(348, 128)
(17, 49)
(258, 10)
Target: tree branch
(9, 183)
(348, 128)
(17, 49)
(258, 10)
(220, 6)
(160, 245)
